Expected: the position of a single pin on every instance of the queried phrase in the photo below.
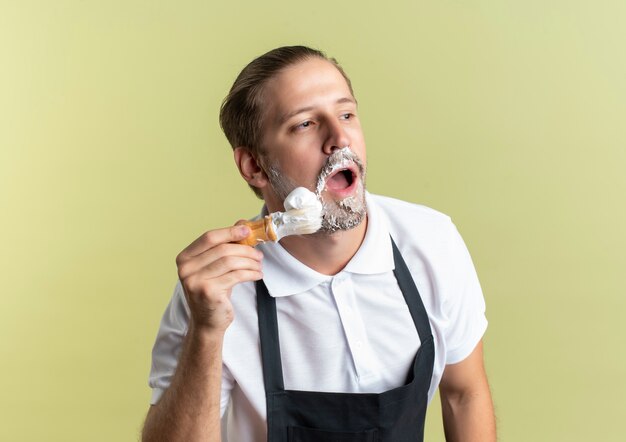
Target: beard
(337, 215)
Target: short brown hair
(241, 114)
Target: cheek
(302, 168)
(305, 157)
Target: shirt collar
(284, 275)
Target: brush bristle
(303, 215)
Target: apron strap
(268, 334)
(411, 295)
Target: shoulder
(428, 239)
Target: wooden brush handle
(261, 230)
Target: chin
(344, 214)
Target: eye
(346, 116)
(304, 125)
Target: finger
(224, 283)
(213, 238)
(207, 257)
(229, 280)
(220, 267)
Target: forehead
(309, 83)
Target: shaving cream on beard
(349, 212)
(336, 215)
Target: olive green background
(507, 115)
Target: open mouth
(341, 180)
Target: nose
(336, 138)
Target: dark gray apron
(308, 416)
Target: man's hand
(209, 268)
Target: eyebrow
(301, 110)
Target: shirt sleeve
(168, 344)
(464, 306)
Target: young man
(340, 335)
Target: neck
(326, 253)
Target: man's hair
(242, 112)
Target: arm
(189, 410)
(466, 404)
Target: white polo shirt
(351, 332)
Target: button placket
(353, 326)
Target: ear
(249, 168)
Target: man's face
(313, 138)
